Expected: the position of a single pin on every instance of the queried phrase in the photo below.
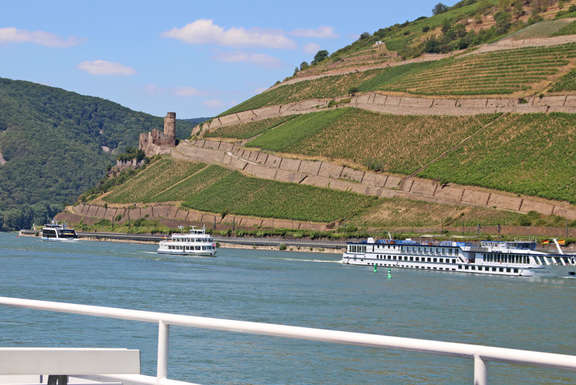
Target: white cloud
(103, 67)
(186, 91)
(152, 89)
(311, 48)
(213, 103)
(252, 58)
(47, 39)
(204, 31)
(323, 32)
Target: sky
(196, 58)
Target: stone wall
(81, 214)
(403, 105)
(330, 175)
(174, 216)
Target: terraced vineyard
(532, 154)
(497, 73)
(331, 87)
(152, 181)
(399, 144)
(248, 130)
(400, 212)
(216, 189)
(286, 136)
(503, 72)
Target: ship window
(501, 269)
(516, 270)
(508, 270)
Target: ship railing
(478, 353)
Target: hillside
(451, 30)
(479, 136)
(54, 144)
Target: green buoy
(389, 273)
(375, 268)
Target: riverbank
(278, 244)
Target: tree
(365, 36)
(304, 65)
(440, 8)
(320, 55)
(503, 22)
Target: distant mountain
(54, 144)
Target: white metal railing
(479, 353)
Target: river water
(301, 289)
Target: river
(311, 290)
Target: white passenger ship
(58, 232)
(517, 258)
(196, 242)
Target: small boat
(196, 243)
(58, 232)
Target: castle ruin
(157, 142)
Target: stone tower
(170, 125)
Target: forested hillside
(54, 144)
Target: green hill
(465, 25)
(520, 153)
(55, 146)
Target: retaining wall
(404, 105)
(330, 175)
(174, 216)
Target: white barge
(517, 258)
(194, 243)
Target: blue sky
(197, 58)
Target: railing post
(479, 371)
(162, 360)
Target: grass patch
(288, 134)
(248, 130)
(569, 29)
(542, 29)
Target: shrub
(440, 8)
(282, 247)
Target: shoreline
(273, 244)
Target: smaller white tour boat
(196, 243)
(58, 232)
